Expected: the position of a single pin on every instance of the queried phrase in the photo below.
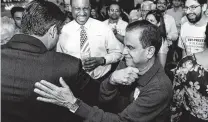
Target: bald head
(80, 11)
(72, 2)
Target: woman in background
(156, 18)
(190, 99)
(94, 13)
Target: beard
(114, 17)
(161, 9)
(193, 19)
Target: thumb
(133, 69)
(63, 83)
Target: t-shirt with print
(192, 37)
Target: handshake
(124, 76)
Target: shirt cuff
(83, 110)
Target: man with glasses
(192, 31)
(91, 40)
(115, 21)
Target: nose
(82, 12)
(188, 11)
(125, 51)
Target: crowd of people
(84, 63)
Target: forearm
(94, 114)
(173, 36)
(120, 38)
(107, 91)
(87, 86)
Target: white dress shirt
(101, 40)
(171, 29)
(120, 26)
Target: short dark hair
(16, 9)
(39, 16)
(150, 35)
(199, 1)
(115, 3)
(165, 1)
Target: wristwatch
(73, 108)
(104, 61)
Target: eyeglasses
(191, 8)
(145, 10)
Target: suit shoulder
(64, 58)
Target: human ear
(150, 52)
(53, 31)
(204, 7)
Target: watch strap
(73, 108)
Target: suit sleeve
(144, 109)
(88, 87)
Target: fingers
(47, 100)
(63, 83)
(90, 66)
(43, 93)
(133, 69)
(49, 85)
(128, 80)
(42, 87)
(134, 75)
(89, 61)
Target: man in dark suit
(27, 59)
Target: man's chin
(193, 21)
(81, 22)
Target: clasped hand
(124, 76)
(91, 63)
(51, 93)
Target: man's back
(25, 62)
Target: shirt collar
(86, 25)
(119, 19)
(144, 79)
(26, 43)
(202, 21)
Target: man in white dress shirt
(91, 40)
(170, 24)
(115, 21)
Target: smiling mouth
(191, 16)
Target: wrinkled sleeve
(143, 109)
(178, 95)
(173, 33)
(113, 46)
(107, 91)
(88, 87)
